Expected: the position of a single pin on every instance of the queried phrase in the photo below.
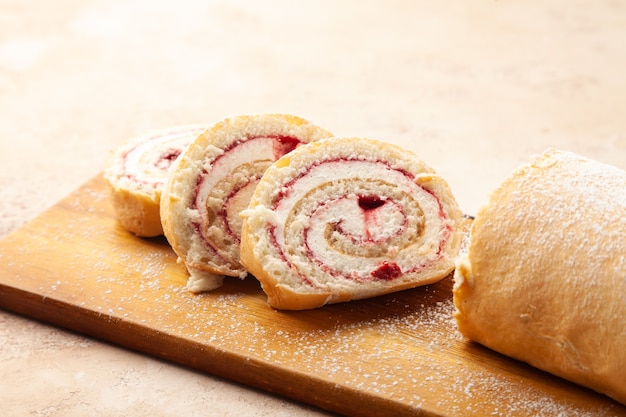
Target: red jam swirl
(369, 205)
(281, 144)
(167, 158)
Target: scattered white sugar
(407, 350)
(578, 204)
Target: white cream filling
(249, 151)
(351, 216)
(352, 220)
(142, 161)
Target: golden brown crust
(138, 213)
(545, 279)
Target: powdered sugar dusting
(550, 252)
(403, 348)
(583, 206)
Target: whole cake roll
(544, 279)
(136, 171)
(213, 180)
(348, 218)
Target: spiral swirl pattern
(137, 171)
(349, 218)
(213, 180)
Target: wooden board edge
(253, 373)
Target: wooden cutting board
(400, 354)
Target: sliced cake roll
(213, 181)
(348, 218)
(136, 171)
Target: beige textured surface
(474, 87)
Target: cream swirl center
(352, 217)
(149, 161)
(226, 186)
